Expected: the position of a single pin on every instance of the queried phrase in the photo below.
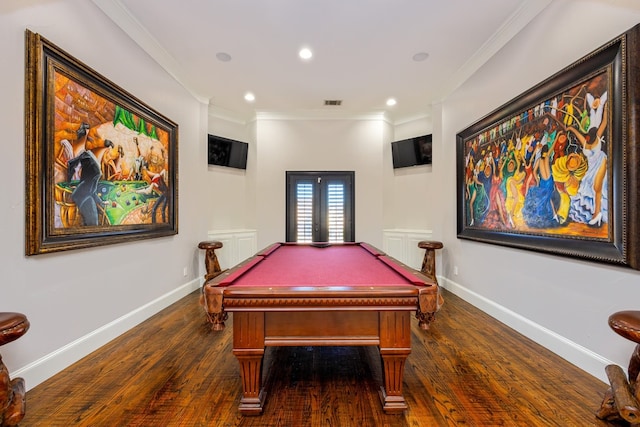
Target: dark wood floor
(172, 370)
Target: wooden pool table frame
(320, 316)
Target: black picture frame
(493, 151)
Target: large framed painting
(101, 166)
(556, 169)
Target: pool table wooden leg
(248, 347)
(429, 302)
(395, 346)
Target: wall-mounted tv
(412, 151)
(227, 152)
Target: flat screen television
(227, 152)
(412, 151)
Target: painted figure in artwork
(100, 151)
(590, 203)
(545, 169)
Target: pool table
(345, 294)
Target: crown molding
(232, 116)
(121, 16)
(413, 118)
(321, 115)
(505, 33)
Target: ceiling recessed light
(223, 56)
(391, 102)
(249, 97)
(420, 56)
(305, 53)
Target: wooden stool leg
(213, 269)
(12, 392)
(608, 410)
(425, 318)
(12, 398)
(211, 259)
(429, 260)
(634, 365)
(626, 403)
(212, 264)
(429, 264)
(622, 399)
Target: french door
(320, 207)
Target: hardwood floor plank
(172, 370)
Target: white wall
(411, 201)
(563, 303)
(229, 210)
(77, 300)
(286, 144)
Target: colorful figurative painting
(101, 166)
(555, 170)
(544, 170)
(110, 166)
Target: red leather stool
(621, 401)
(12, 392)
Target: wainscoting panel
(238, 245)
(402, 244)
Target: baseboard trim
(572, 352)
(54, 362)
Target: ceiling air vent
(332, 102)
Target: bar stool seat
(626, 324)
(12, 326)
(12, 392)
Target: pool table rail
(219, 297)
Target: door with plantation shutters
(320, 207)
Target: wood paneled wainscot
(237, 245)
(402, 244)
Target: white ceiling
(363, 50)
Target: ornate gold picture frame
(101, 166)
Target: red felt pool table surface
(327, 295)
(324, 265)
